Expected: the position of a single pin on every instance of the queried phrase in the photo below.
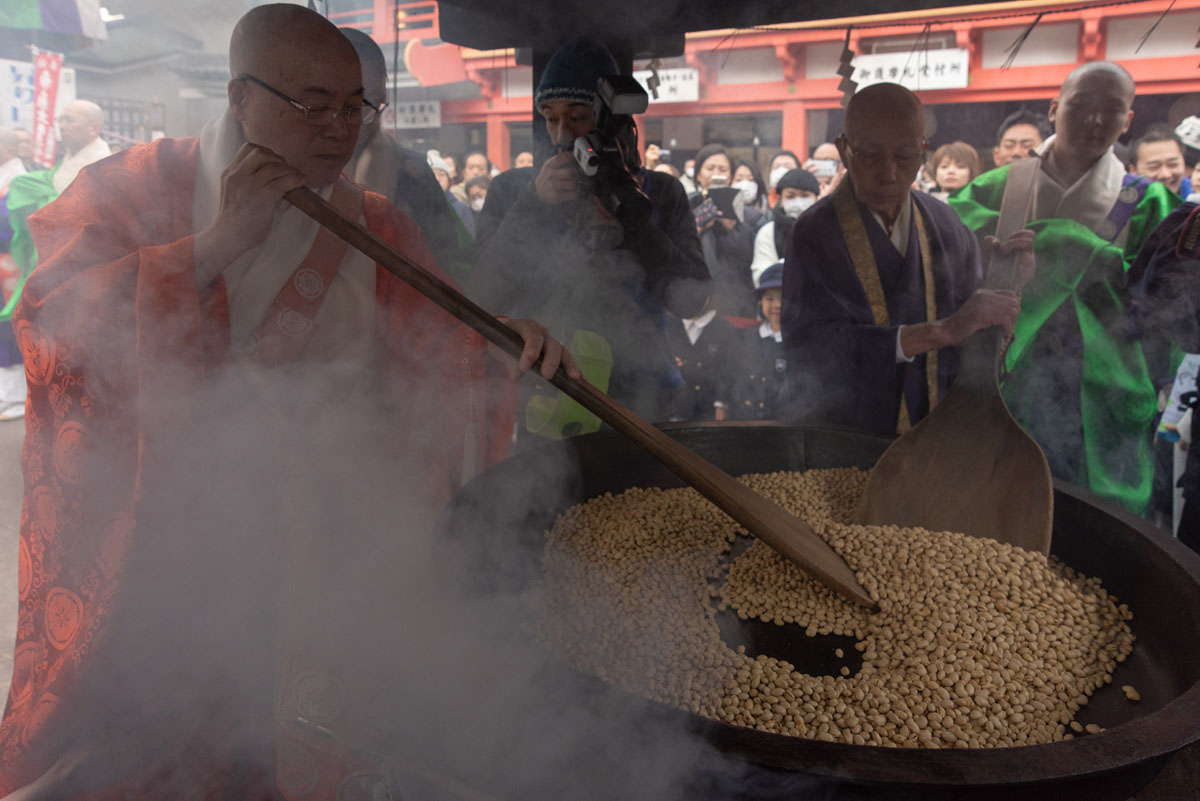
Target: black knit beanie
(799, 179)
(573, 70)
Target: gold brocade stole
(863, 258)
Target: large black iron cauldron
(1157, 577)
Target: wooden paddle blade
(969, 467)
(789, 535)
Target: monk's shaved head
(368, 50)
(9, 139)
(374, 65)
(79, 123)
(1093, 108)
(1108, 68)
(86, 110)
(267, 37)
(882, 145)
(296, 81)
(887, 103)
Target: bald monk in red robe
(212, 380)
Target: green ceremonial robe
(26, 194)
(1080, 388)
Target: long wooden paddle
(969, 466)
(788, 535)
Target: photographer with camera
(591, 240)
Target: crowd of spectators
(729, 357)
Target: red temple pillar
(498, 142)
(795, 127)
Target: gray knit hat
(573, 70)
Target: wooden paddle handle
(981, 354)
(1014, 212)
(787, 534)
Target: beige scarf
(345, 321)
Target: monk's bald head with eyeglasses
(297, 89)
(883, 146)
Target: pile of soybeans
(975, 644)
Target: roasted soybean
(975, 644)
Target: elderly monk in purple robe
(859, 328)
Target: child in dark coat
(763, 368)
(706, 349)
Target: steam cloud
(285, 529)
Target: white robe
(1087, 201)
(72, 163)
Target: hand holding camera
(822, 169)
(705, 213)
(717, 205)
(600, 157)
(558, 180)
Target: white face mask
(749, 191)
(795, 206)
(477, 204)
(776, 174)
(690, 172)
(719, 179)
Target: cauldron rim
(1152, 736)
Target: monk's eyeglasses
(905, 159)
(321, 116)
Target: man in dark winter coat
(546, 242)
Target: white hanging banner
(680, 85)
(924, 69)
(409, 114)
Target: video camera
(599, 154)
